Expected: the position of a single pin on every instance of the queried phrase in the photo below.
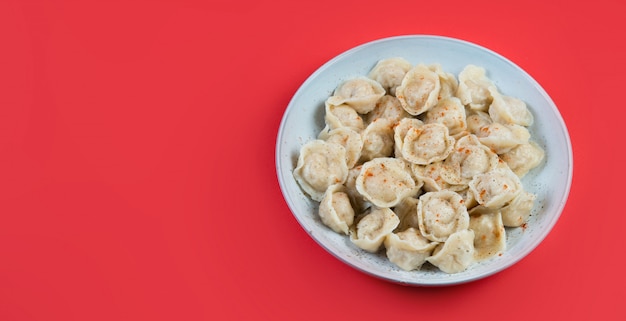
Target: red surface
(137, 160)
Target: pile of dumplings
(422, 166)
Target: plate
(304, 119)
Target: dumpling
(360, 93)
(502, 138)
(468, 159)
(517, 212)
(476, 120)
(359, 203)
(440, 214)
(390, 72)
(388, 107)
(408, 249)
(509, 110)
(436, 177)
(406, 211)
(400, 130)
(349, 139)
(373, 227)
(320, 165)
(456, 254)
(523, 157)
(495, 188)
(427, 144)
(489, 233)
(473, 88)
(342, 115)
(419, 90)
(450, 113)
(386, 181)
(377, 140)
(449, 84)
(335, 209)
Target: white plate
(304, 119)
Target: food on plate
(422, 166)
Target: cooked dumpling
(523, 157)
(377, 140)
(427, 144)
(489, 233)
(388, 107)
(320, 165)
(449, 84)
(473, 88)
(360, 93)
(406, 211)
(456, 254)
(468, 159)
(386, 181)
(495, 188)
(436, 177)
(440, 214)
(342, 115)
(502, 138)
(335, 209)
(359, 203)
(509, 110)
(390, 72)
(450, 113)
(419, 90)
(349, 139)
(517, 212)
(408, 249)
(400, 130)
(373, 227)
(476, 120)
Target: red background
(137, 177)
